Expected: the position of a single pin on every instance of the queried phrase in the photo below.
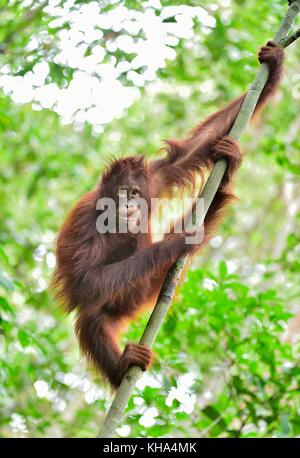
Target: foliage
(223, 367)
(246, 378)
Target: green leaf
(24, 338)
(213, 414)
(223, 271)
(4, 305)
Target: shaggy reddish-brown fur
(107, 278)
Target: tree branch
(116, 411)
(289, 40)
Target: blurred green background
(82, 80)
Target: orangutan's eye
(135, 193)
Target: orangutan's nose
(131, 208)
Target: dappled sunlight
(95, 94)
